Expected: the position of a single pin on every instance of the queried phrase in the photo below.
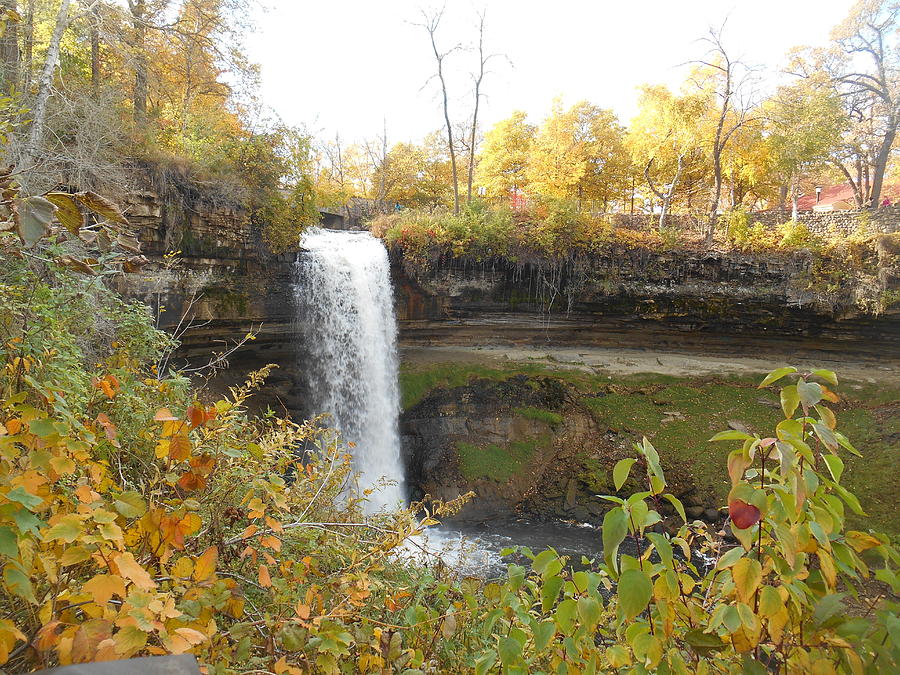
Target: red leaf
(196, 416)
(191, 481)
(742, 514)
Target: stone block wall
(884, 220)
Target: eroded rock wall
(637, 297)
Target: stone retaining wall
(884, 220)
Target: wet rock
(711, 515)
(571, 493)
(694, 512)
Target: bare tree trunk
(665, 198)
(431, 25)
(482, 61)
(28, 43)
(795, 207)
(857, 195)
(45, 84)
(138, 10)
(881, 162)
(9, 50)
(95, 50)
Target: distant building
(840, 198)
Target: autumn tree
(602, 142)
(558, 160)
(504, 155)
(725, 80)
(867, 72)
(664, 139)
(804, 122)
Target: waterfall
(346, 315)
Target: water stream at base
(346, 314)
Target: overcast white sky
(345, 65)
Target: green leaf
(565, 616)
(826, 375)
(510, 650)
(130, 504)
(543, 633)
(42, 427)
(810, 393)
(663, 548)
(770, 602)
(542, 559)
(634, 592)
(18, 583)
(26, 499)
(850, 499)
(549, 592)
(730, 557)
(679, 507)
(731, 435)
(621, 471)
(846, 444)
(776, 375)
(790, 399)
(35, 214)
(835, 466)
(68, 528)
(615, 527)
(589, 611)
(9, 542)
(485, 663)
(825, 435)
(703, 642)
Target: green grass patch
(643, 405)
(540, 415)
(496, 462)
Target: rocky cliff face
(223, 282)
(637, 297)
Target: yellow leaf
(162, 448)
(131, 570)
(183, 568)
(826, 565)
(264, 579)
(62, 465)
(205, 565)
(860, 541)
(194, 637)
(747, 573)
(103, 586)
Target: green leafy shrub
(796, 235)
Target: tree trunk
(95, 50)
(28, 43)
(881, 161)
(795, 207)
(9, 50)
(139, 97)
(45, 83)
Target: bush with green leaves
(770, 594)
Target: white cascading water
(346, 313)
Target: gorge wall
(709, 300)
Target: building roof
(833, 195)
